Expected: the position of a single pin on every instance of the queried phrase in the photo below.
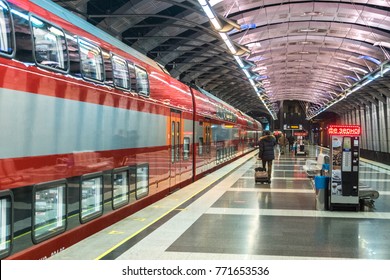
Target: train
(93, 131)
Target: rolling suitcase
(261, 175)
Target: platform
(225, 215)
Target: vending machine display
(344, 189)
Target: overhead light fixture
(244, 64)
(311, 14)
(256, 57)
(228, 43)
(358, 69)
(308, 30)
(379, 72)
(224, 25)
(241, 50)
(221, 24)
(227, 24)
(352, 78)
(369, 58)
(305, 43)
(259, 68)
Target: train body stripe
(36, 125)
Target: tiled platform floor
(238, 219)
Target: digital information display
(350, 130)
(292, 126)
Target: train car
(93, 131)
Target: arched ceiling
(308, 51)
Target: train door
(207, 140)
(175, 146)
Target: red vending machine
(344, 155)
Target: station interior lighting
(368, 78)
(224, 25)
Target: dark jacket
(266, 147)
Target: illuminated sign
(300, 133)
(292, 126)
(351, 130)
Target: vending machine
(344, 155)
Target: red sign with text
(350, 130)
(300, 133)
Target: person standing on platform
(291, 141)
(266, 151)
(283, 142)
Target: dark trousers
(269, 166)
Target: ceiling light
(224, 25)
(260, 68)
(220, 23)
(308, 30)
(239, 61)
(305, 43)
(312, 14)
(374, 60)
(253, 44)
(228, 43)
(359, 69)
(352, 78)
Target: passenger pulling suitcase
(261, 175)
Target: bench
(314, 167)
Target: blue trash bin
(325, 169)
(321, 185)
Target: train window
(6, 32)
(74, 57)
(121, 73)
(142, 81)
(91, 61)
(120, 187)
(50, 48)
(186, 148)
(49, 210)
(6, 223)
(200, 149)
(91, 188)
(142, 181)
(23, 39)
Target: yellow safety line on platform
(151, 223)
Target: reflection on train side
(91, 196)
(49, 210)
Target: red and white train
(92, 131)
